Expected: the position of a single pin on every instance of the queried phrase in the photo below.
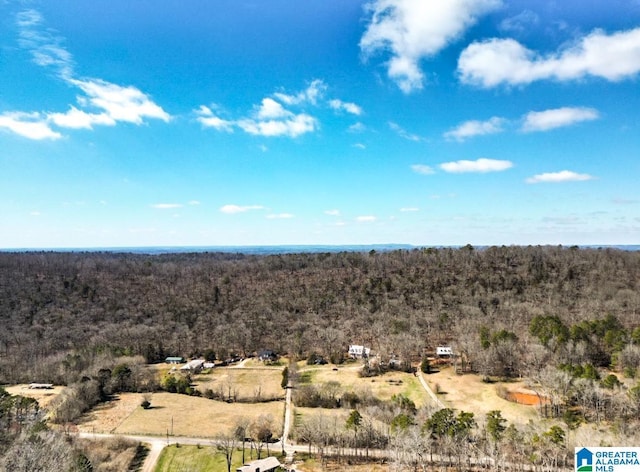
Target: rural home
(194, 365)
(358, 352)
(174, 360)
(267, 355)
(261, 465)
(442, 351)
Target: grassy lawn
(382, 387)
(195, 416)
(197, 459)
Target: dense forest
(566, 319)
(482, 302)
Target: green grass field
(197, 459)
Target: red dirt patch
(526, 398)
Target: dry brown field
(469, 393)
(176, 414)
(44, 397)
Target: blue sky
(266, 122)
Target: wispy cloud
(311, 94)
(409, 209)
(557, 118)
(280, 216)
(103, 103)
(349, 107)
(410, 31)
(358, 127)
(496, 61)
(333, 212)
(472, 128)
(479, 166)
(558, 177)
(366, 219)
(422, 169)
(209, 120)
(233, 209)
(403, 133)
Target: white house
(357, 352)
(261, 465)
(193, 366)
(442, 351)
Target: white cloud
(120, 103)
(333, 212)
(357, 127)
(115, 102)
(311, 94)
(209, 120)
(339, 105)
(359, 146)
(75, 118)
(403, 133)
(194, 202)
(411, 30)
(233, 209)
(270, 109)
(520, 22)
(481, 166)
(366, 219)
(292, 127)
(166, 206)
(409, 209)
(559, 177)
(472, 128)
(493, 62)
(28, 125)
(557, 118)
(422, 169)
(44, 46)
(280, 216)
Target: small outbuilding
(268, 464)
(174, 360)
(194, 365)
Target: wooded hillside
(397, 302)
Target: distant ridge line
(286, 249)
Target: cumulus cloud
(422, 169)
(557, 118)
(293, 126)
(349, 107)
(366, 219)
(493, 62)
(480, 166)
(233, 209)
(559, 177)
(75, 118)
(28, 125)
(410, 30)
(472, 128)
(120, 103)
